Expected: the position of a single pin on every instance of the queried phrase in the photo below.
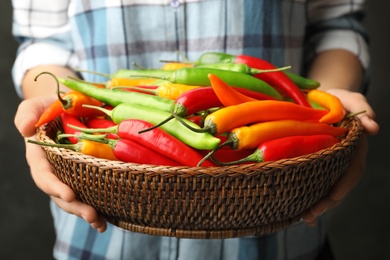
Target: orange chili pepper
(247, 137)
(250, 137)
(51, 113)
(72, 104)
(227, 94)
(227, 118)
(336, 109)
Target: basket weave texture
(202, 202)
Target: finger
(88, 213)
(28, 113)
(42, 174)
(355, 102)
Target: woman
(322, 39)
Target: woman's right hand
(26, 117)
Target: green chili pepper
(124, 111)
(199, 77)
(302, 82)
(243, 68)
(115, 98)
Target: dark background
(358, 227)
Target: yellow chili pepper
(127, 82)
(176, 65)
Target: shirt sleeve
(337, 24)
(42, 30)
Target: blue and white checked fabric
(106, 36)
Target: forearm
(337, 69)
(45, 85)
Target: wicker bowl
(202, 202)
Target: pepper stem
(64, 102)
(210, 154)
(105, 111)
(66, 146)
(197, 130)
(95, 138)
(256, 71)
(94, 72)
(157, 125)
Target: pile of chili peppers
(220, 110)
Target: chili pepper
(249, 137)
(157, 140)
(67, 119)
(276, 79)
(227, 94)
(284, 148)
(220, 57)
(167, 89)
(125, 111)
(240, 67)
(51, 113)
(176, 65)
(114, 98)
(98, 122)
(71, 103)
(302, 82)
(87, 147)
(227, 155)
(129, 151)
(120, 82)
(227, 118)
(126, 73)
(336, 109)
(199, 77)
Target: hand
(353, 102)
(26, 116)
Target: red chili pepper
(284, 148)
(129, 151)
(157, 140)
(276, 79)
(67, 120)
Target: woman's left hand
(353, 102)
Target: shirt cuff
(40, 54)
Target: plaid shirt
(106, 36)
